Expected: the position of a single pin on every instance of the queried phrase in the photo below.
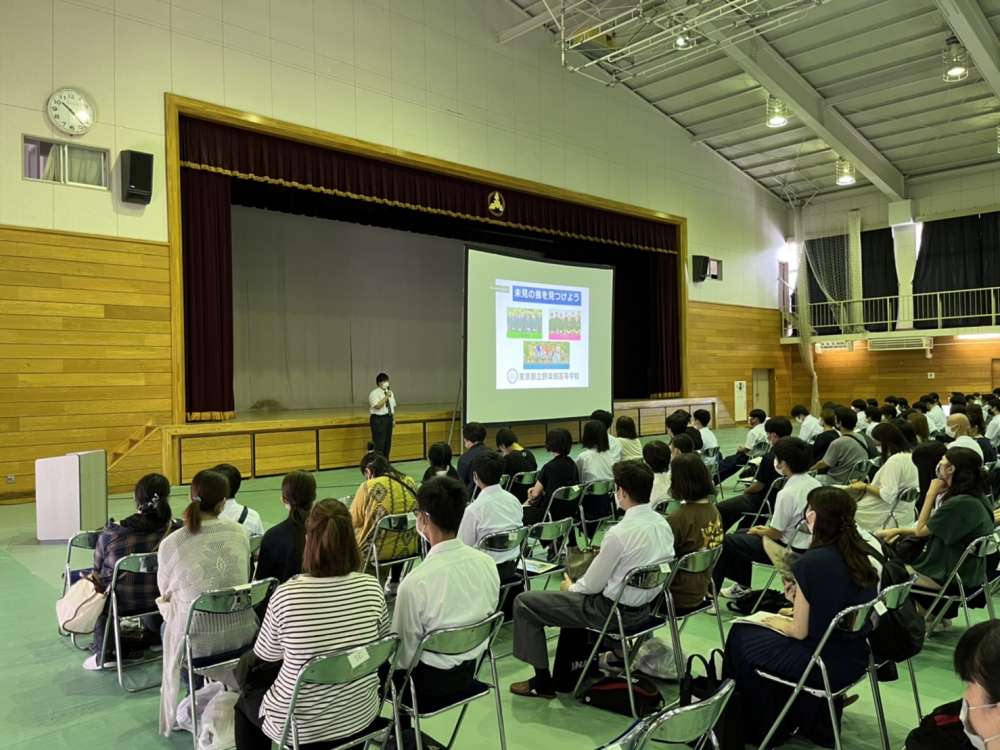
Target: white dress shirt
(937, 418)
(454, 585)
(892, 477)
(661, 487)
(790, 509)
(964, 441)
(377, 395)
(708, 438)
(232, 511)
(862, 421)
(993, 430)
(594, 465)
(493, 510)
(615, 447)
(642, 537)
(810, 428)
(754, 435)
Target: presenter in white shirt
(641, 538)
(454, 585)
(381, 407)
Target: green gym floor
(48, 701)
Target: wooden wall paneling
(572, 425)
(724, 344)
(197, 453)
(437, 432)
(408, 441)
(342, 446)
(282, 452)
(652, 421)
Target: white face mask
(777, 468)
(977, 742)
(423, 534)
(618, 498)
(385, 386)
(949, 431)
(810, 524)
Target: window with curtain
(880, 287)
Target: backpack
(729, 728)
(611, 694)
(939, 730)
(773, 602)
(900, 633)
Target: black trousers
(739, 551)
(732, 464)
(435, 687)
(732, 509)
(381, 425)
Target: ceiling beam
(530, 24)
(972, 27)
(762, 61)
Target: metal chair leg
(767, 587)
(458, 725)
(499, 705)
(916, 693)
(416, 717)
(830, 705)
(879, 708)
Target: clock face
(70, 111)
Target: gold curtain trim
(666, 394)
(415, 207)
(210, 416)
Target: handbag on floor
(611, 694)
(695, 688)
(78, 609)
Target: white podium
(71, 494)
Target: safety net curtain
(828, 263)
(805, 324)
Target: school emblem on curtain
(495, 203)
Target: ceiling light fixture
(684, 40)
(998, 139)
(845, 172)
(777, 112)
(956, 61)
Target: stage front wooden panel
(343, 446)
(85, 356)
(282, 452)
(725, 343)
(436, 431)
(197, 453)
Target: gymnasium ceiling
(862, 78)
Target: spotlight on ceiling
(777, 112)
(955, 61)
(845, 172)
(685, 40)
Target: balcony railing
(963, 308)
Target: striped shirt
(307, 617)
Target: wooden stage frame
(272, 444)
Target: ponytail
(298, 489)
(835, 525)
(209, 490)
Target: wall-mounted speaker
(699, 267)
(137, 177)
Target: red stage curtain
(249, 155)
(208, 294)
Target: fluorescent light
(978, 336)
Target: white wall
(422, 75)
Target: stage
(272, 443)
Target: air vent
(834, 346)
(900, 344)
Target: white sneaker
(734, 592)
(91, 664)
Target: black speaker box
(699, 267)
(137, 177)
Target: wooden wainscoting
(726, 343)
(84, 350)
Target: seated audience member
(516, 459)
(993, 425)
(454, 585)
(829, 433)
(208, 553)
(696, 525)
(958, 429)
(330, 606)
(935, 414)
(657, 456)
(962, 514)
(641, 538)
(921, 427)
(679, 423)
(888, 413)
(493, 510)
(896, 474)
(138, 533)
(559, 471)
(606, 418)
(384, 492)
(439, 462)
(681, 444)
(972, 723)
(957, 400)
(859, 407)
(702, 419)
(834, 574)
(977, 431)
(628, 439)
(735, 509)
(731, 464)
(902, 406)
(873, 415)
(909, 434)
(926, 458)
(473, 435)
(245, 516)
(595, 460)
(845, 453)
(791, 459)
(872, 402)
(809, 426)
(281, 548)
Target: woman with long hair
(140, 532)
(208, 553)
(896, 474)
(832, 575)
(596, 458)
(281, 548)
(330, 606)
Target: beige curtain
(806, 353)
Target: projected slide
(541, 335)
(538, 337)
